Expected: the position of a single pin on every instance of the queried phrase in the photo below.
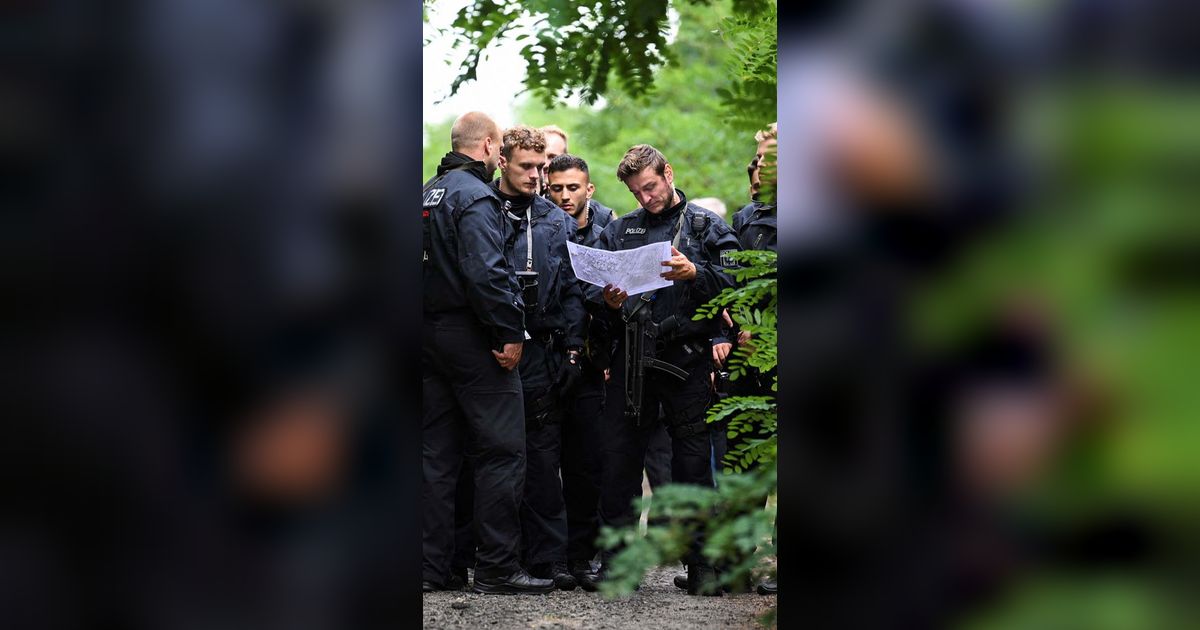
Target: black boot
(458, 580)
(555, 572)
(517, 583)
(584, 575)
(768, 587)
(429, 587)
(702, 580)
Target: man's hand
(570, 374)
(681, 267)
(743, 337)
(614, 297)
(511, 355)
(720, 352)
(607, 374)
(725, 316)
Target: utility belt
(549, 338)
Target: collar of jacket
(763, 209)
(670, 214)
(538, 205)
(455, 160)
(515, 204)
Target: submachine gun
(641, 347)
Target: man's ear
(669, 174)
(503, 162)
(591, 190)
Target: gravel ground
(657, 605)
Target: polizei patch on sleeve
(727, 258)
(433, 197)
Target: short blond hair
(770, 133)
(523, 137)
(555, 129)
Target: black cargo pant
(684, 404)
(582, 437)
(658, 456)
(543, 512)
(470, 406)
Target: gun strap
(669, 368)
(679, 228)
(529, 237)
(643, 300)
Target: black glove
(569, 375)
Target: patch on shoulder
(433, 197)
(727, 258)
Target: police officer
(570, 187)
(755, 225)
(597, 213)
(700, 244)
(551, 366)
(472, 339)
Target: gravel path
(657, 605)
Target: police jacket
(756, 226)
(465, 264)
(599, 214)
(560, 309)
(705, 240)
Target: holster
(542, 411)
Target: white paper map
(632, 270)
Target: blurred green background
(1111, 249)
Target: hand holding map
(633, 270)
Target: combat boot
(555, 572)
(702, 580)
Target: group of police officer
(535, 420)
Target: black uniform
(471, 405)
(703, 238)
(581, 433)
(555, 324)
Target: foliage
(753, 306)
(571, 47)
(710, 163)
(437, 142)
(576, 47)
(750, 97)
(736, 529)
(1103, 252)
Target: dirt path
(657, 605)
